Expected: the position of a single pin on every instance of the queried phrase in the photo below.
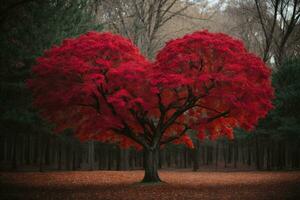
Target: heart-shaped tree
(101, 86)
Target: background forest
(268, 28)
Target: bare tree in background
(142, 20)
(239, 20)
(280, 21)
(269, 27)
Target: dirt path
(118, 185)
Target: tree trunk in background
(41, 153)
(217, 154)
(73, 159)
(273, 157)
(249, 154)
(91, 155)
(47, 152)
(229, 152)
(196, 156)
(68, 157)
(118, 158)
(124, 159)
(283, 155)
(297, 154)
(278, 153)
(101, 157)
(31, 150)
(262, 154)
(224, 155)
(268, 156)
(236, 153)
(243, 151)
(151, 159)
(14, 153)
(185, 157)
(59, 156)
(110, 159)
(257, 152)
(168, 158)
(28, 151)
(207, 155)
(5, 150)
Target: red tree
(102, 87)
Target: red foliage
(101, 86)
(233, 85)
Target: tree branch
(172, 138)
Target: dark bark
(28, 142)
(268, 157)
(229, 152)
(262, 155)
(236, 154)
(14, 154)
(59, 156)
(224, 155)
(207, 154)
(249, 154)
(74, 160)
(257, 151)
(124, 155)
(185, 156)
(47, 152)
(161, 159)
(110, 159)
(196, 156)
(151, 159)
(41, 153)
(217, 154)
(101, 157)
(118, 158)
(5, 150)
(168, 159)
(91, 158)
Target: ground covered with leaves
(112, 185)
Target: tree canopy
(102, 87)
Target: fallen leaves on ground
(118, 185)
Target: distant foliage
(28, 29)
(287, 84)
(285, 119)
(102, 87)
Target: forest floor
(117, 185)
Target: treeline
(43, 153)
(26, 141)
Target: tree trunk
(59, 155)
(257, 151)
(224, 155)
(151, 159)
(217, 154)
(91, 158)
(249, 154)
(14, 154)
(196, 156)
(268, 156)
(236, 153)
(41, 153)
